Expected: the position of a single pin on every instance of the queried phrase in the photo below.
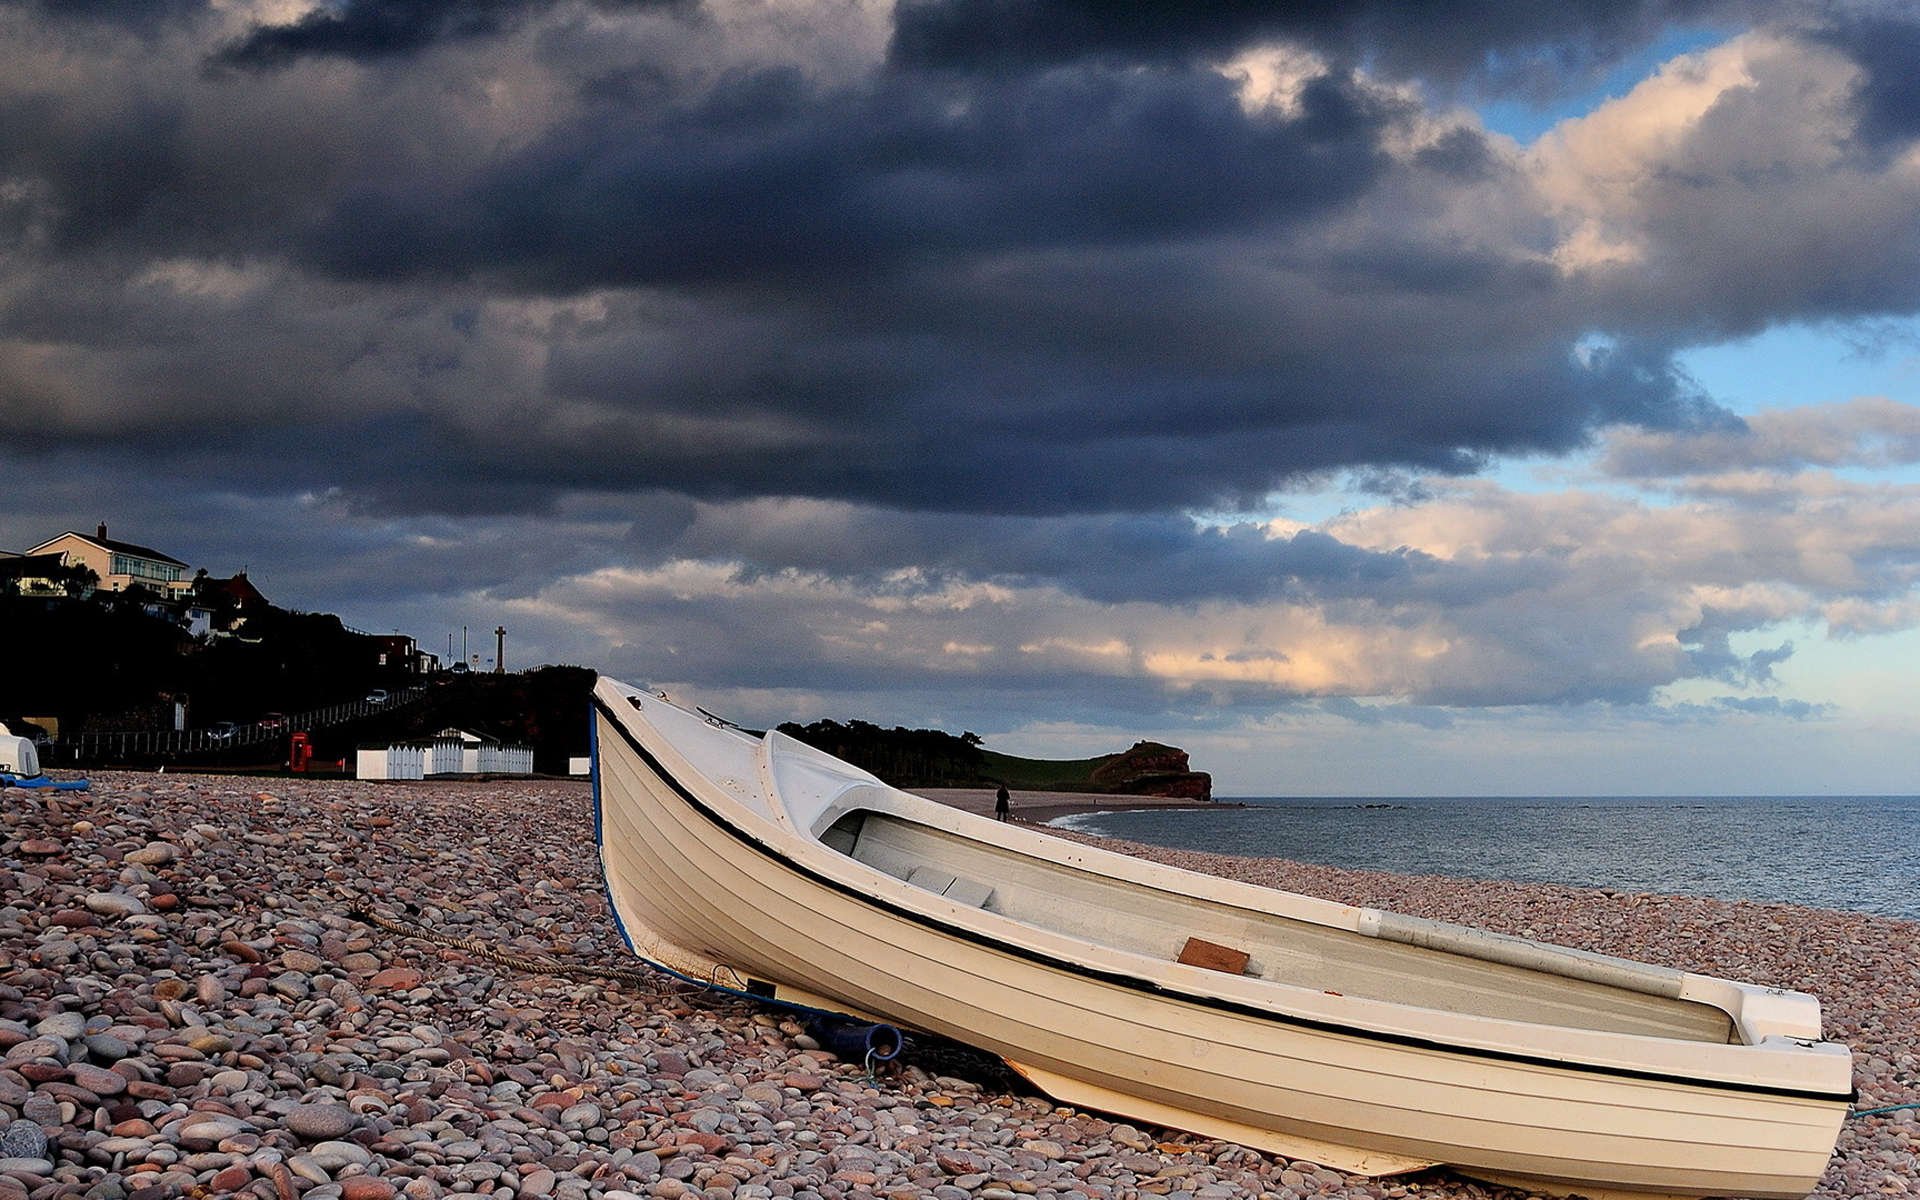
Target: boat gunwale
(1139, 983)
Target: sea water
(1849, 852)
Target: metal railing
(146, 745)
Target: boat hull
(684, 879)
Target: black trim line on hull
(1135, 983)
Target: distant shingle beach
(188, 1007)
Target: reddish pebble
(40, 847)
(240, 950)
(98, 1080)
(164, 902)
(400, 979)
(366, 1187)
(230, 1180)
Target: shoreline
(223, 1023)
(1043, 808)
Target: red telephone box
(299, 753)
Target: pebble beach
(189, 1008)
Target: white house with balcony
(119, 564)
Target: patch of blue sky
(1857, 677)
(1793, 366)
(1797, 366)
(1865, 675)
(1524, 119)
(1790, 366)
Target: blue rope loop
(1875, 1112)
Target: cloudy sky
(1372, 398)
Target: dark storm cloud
(1079, 289)
(1886, 47)
(1503, 43)
(372, 29)
(873, 372)
(770, 178)
(145, 16)
(376, 29)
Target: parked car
(223, 731)
(273, 721)
(377, 696)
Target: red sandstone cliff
(1152, 769)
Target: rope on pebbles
(939, 1055)
(533, 964)
(1880, 1112)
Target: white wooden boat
(1359, 1039)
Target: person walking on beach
(1002, 811)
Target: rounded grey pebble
(114, 904)
(581, 1115)
(321, 1122)
(106, 1048)
(67, 1026)
(23, 1140)
(39, 1047)
(644, 1166)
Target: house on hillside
(119, 565)
(237, 590)
(402, 653)
(229, 602)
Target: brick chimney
(102, 535)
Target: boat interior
(1211, 935)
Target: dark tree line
(903, 757)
